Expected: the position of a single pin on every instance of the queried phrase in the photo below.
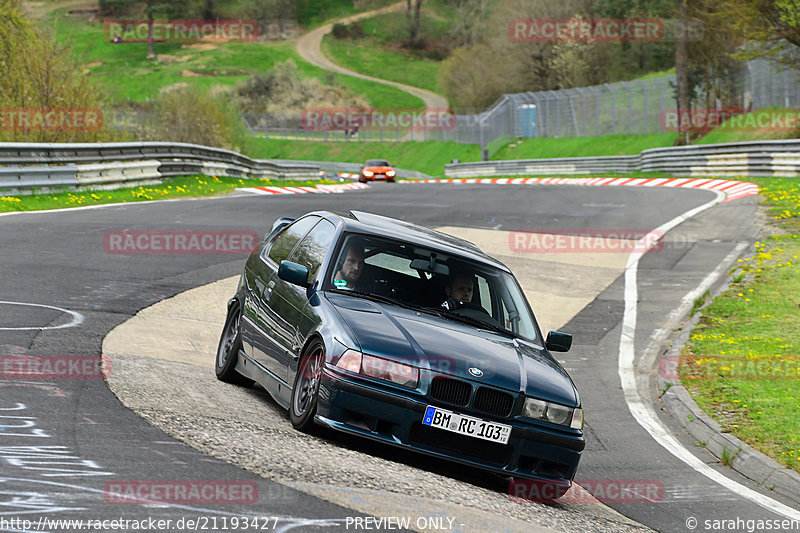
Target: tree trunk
(413, 16)
(682, 77)
(151, 49)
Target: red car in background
(376, 169)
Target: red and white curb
(305, 190)
(732, 189)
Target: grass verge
(742, 361)
(544, 147)
(428, 157)
(178, 187)
(763, 124)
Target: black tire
(390, 180)
(230, 342)
(306, 388)
(362, 179)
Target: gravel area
(246, 428)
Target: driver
(458, 290)
(349, 274)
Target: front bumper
(377, 177)
(364, 408)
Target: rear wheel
(306, 387)
(230, 342)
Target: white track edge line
(641, 412)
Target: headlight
(553, 412)
(368, 173)
(390, 173)
(379, 368)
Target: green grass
(364, 57)
(544, 147)
(755, 126)
(178, 187)
(742, 362)
(317, 12)
(380, 53)
(225, 65)
(428, 157)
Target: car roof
(372, 224)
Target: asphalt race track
(65, 444)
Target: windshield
(376, 163)
(432, 281)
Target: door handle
(268, 290)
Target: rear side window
(312, 249)
(286, 241)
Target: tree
(413, 15)
(771, 28)
(683, 90)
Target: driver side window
(287, 240)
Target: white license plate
(437, 417)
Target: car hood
(379, 170)
(453, 348)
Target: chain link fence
(636, 107)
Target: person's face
(460, 289)
(353, 264)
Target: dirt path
(38, 10)
(309, 48)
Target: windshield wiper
(374, 297)
(442, 312)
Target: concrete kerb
(743, 458)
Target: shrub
(38, 74)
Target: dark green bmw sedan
(394, 332)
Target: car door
(260, 322)
(289, 301)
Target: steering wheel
(457, 305)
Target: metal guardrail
(751, 158)
(354, 168)
(111, 165)
(533, 167)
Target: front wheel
(306, 387)
(230, 342)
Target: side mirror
(558, 341)
(293, 273)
